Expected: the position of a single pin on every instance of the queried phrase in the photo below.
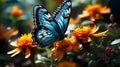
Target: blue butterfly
(50, 28)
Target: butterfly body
(48, 28)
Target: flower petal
(14, 52)
(73, 40)
(84, 14)
(105, 10)
(27, 52)
(10, 33)
(53, 51)
(13, 43)
(94, 29)
(59, 55)
(100, 34)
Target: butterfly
(50, 28)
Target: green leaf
(116, 41)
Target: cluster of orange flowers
(61, 47)
(72, 45)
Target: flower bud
(108, 49)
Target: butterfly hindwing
(62, 15)
(44, 36)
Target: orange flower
(66, 64)
(16, 12)
(63, 46)
(95, 11)
(24, 42)
(75, 44)
(86, 32)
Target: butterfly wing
(43, 36)
(43, 18)
(62, 15)
(46, 29)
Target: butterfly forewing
(43, 18)
(62, 14)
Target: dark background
(115, 10)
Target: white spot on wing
(68, 3)
(48, 15)
(68, 10)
